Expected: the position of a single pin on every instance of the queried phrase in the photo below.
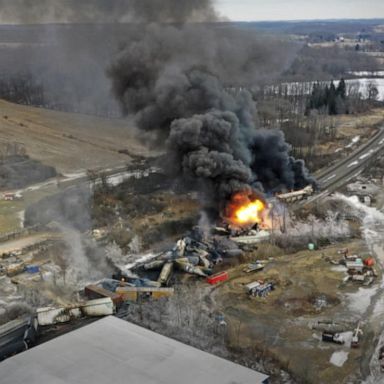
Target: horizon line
(203, 22)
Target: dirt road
(26, 241)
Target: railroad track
(347, 169)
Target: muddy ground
(308, 289)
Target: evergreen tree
(332, 110)
(326, 96)
(342, 89)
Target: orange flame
(250, 213)
(245, 209)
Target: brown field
(68, 141)
(349, 126)
(278, 325)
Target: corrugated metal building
(112, 350)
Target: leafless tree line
(191, 316)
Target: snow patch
(339, 358)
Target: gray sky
(248, 10)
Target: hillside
(67, 141)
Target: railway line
(341, 173)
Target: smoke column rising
(184, 82)
(184, 85)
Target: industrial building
(112, 350)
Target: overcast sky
(248, 10)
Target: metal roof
(115, 351)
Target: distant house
(9, 196)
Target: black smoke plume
(185, 84)
(104, 11)
(276, 170)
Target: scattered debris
(191, 254)
(253, 267)
(357, 269)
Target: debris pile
(358, 269)
(193, 255)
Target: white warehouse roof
(112, 350)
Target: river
(359, 84)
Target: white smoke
(313, 229)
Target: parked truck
(333, 337)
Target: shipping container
(218, 277)
(32, 269)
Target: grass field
(68, 141)
(278, 325)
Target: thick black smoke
(184, 85)
(104, 11)
(276, 170)
(62, 66)
(209, 148)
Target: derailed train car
(17, 336)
